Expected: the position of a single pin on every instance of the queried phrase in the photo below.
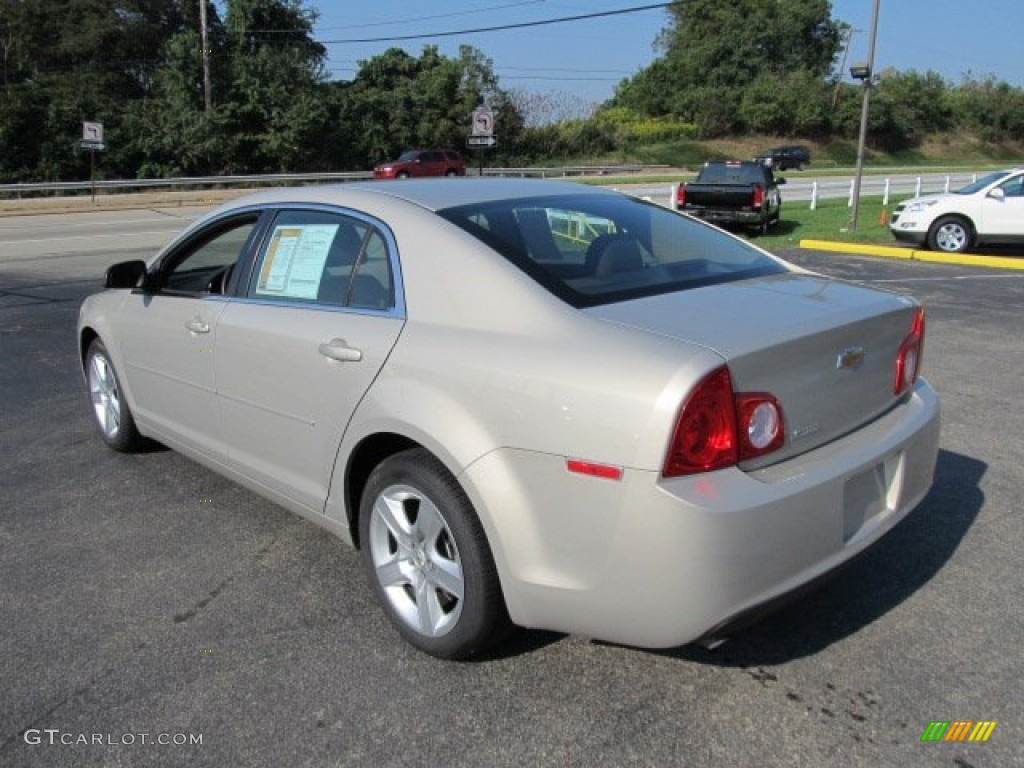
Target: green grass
(830, 221)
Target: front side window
(596, 249)
(1014, 187)
(327, 259)
(205, 264)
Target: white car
(988, 212)
(525, 401)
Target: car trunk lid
(825, 349)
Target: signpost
(92, 142)
(483, 133)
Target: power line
(499, 28)
(392, 22)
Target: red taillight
(908, 359)
(718, 428)
(680, 196)
(758, 197)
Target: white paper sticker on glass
(293, 264)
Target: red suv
(422, 162)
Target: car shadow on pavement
(869, 587)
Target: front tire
(427, 558)
(111, 414)
(950, 234)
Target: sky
(584, 60)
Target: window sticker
(294, 261)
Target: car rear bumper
(657, 562)
(728, 217)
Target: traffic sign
(92, 131)
(92, 146)
(481, 141)
(483, 121)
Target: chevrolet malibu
(526, 402)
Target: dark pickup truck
(733, 194)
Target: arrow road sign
(483, 121)
(92, 131)
(481, 141)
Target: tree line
(137, 66)
(750, 66)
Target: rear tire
(950, 234)
(111, 414)
(428, 560)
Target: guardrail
(886, 187)
(186, 181)
(287, 179)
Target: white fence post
(917, 189)
(946, 190)
(885, 195)
(849, 202)
(814, 196)
(672, 191)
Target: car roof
(432, 193)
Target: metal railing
(287, 179)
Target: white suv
(989, 211)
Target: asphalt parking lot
(143, 599)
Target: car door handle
(338, 349)
(196, 325)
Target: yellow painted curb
(963, 259)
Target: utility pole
(206, 55)
(867, 75)
(847, 36)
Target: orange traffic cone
(883, 217)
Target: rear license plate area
(871, 494)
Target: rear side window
(326, 259)
(596, 249)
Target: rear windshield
(732, 173)
(599, 249)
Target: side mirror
(126, 274)
(997, 194)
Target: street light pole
(862, 139)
